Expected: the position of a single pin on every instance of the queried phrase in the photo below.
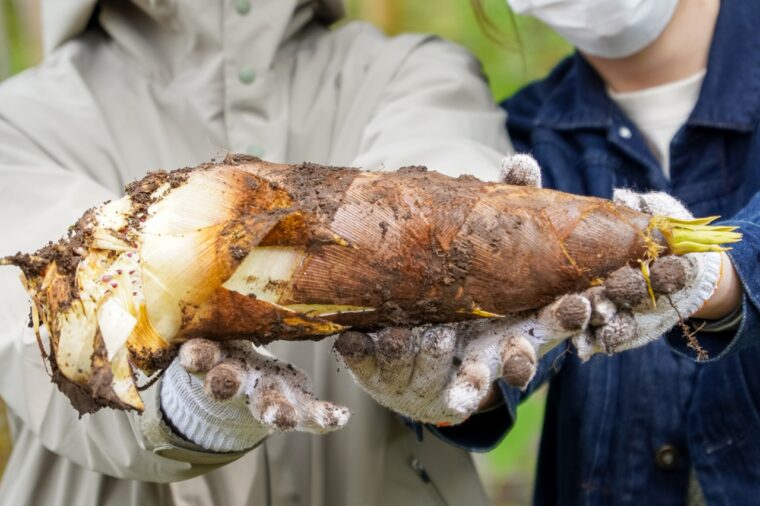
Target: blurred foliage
(513, 50)
(19, 36)
(509, 470)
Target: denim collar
(730, 95)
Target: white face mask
(606, 28)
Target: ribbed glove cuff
(215, 426)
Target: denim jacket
(628, 429)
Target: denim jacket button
(625, 132)
(668, 458)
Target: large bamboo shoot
(247, 249)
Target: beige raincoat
(127, 87)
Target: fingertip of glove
(518, 370)
(199, 355)
(626, 287)
(668, 274)
(521, 169)
(353, 344)
(224, 380)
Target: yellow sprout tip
(694, 236)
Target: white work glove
(623, 316)
(441, 374)
(229, 396)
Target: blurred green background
(513, 50)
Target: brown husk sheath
(246, 249)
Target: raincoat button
(242, 7)
(246, 75)
(668, 458)
(625, 132)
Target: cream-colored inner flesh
(265, 272)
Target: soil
(319, 189)
(65, 253)
(97, 393)
(141, 192)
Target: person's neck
(681, 51)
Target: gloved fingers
(425, 357)
(319, 417)
(357, 352)
(395, 354)
(226, 379)
(669, 274)
(565, 317)
(199, 355)
(480, 366)
(270, 406)
(384, 360)
(655, 203)
(286, 402)
(613, 325)
(501, 349)
(627, 288)
(620, 330)
(519, 361)
(585, 345)
(520, 170)
(434, 361)
(467, 389)
(241, 368)
(602, 308)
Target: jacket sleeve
(38, 200)
(744, 256)
(436, 110)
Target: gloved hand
(441, 374)
(229, 396)
(623, 315)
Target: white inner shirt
(660, 111)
